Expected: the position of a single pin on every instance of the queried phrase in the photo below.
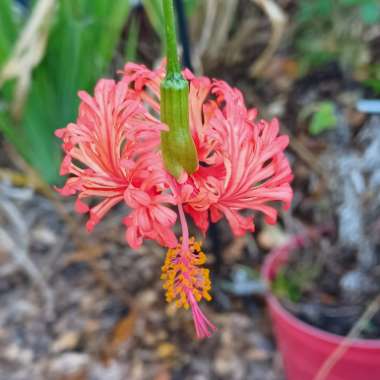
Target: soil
(109, 319)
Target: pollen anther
(184, 277)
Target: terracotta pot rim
(294, 321)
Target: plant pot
(304, 348)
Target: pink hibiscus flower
(112, 154)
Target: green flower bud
(178, 148)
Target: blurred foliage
(286, 287)
(373, 80)
(322, 116)
(132, 41)
(81, 45)
(295, 279)
(333, 30)
(323, 119)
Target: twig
(234, 52)
(19, 179)
(278, 20)
(18, 249)
(8, 269)
(338, 353)
(304, 154)
(203, 43)
(28, 177)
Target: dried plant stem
(208, 27)
(278, 20)
(203, 43)
(22, 180)
(338, 353)
(226, 17)
(28, 52)
(304, 154)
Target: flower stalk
(178, 148)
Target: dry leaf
(166, 350)
(67, 341)
(234, 251)
(164, 374)
(272, 236)
(120, 334)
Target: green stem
(173, 66)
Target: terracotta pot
(304, 348)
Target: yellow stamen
(182, 275)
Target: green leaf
(373, 84)
(8, 29)
(286, 287)
(190, 6)
(308, 10)
(295, 278)
(351, 3)
(81, 45)
(155, 14)
(323, 119)
(132, 41)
